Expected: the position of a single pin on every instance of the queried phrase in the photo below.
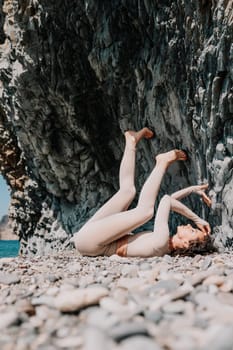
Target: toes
(181, 155)
(148, 133)
(185, 155)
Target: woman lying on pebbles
(108, 232)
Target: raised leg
(108, 229)
(124, 197)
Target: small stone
(121, 295)
(43, 300)
(212, 289)
(214, 279)
(205, 299)
(145, 266)
(24, 305)
(98, 317)
(166, 285)
(69, 342)
(114, 306)
(206, 263)
(52, 291)
(72, 281)
(85, 281)
(167, 258)
(139, 343)
(177, 307)
(225, 298)
(9, 278)
(227, 286)
(149, 275)
(200, 322)
(154, 316)
(53, 278)
(6, 261)
(181, 292)
(125, 330)
(117, 258)
(96, 339)
(129, 271)
(197, 278)
(186, 342)
(8, 319)
(130, 283)
(218, 337)
(74, 268)
(74, 300)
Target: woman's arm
(180, 208)
(198, 189)
(183, 193)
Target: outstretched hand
(200, 189)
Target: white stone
(74, 300)
(7, 319)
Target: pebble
(139, 343)
(125, 330)
(74, 300)
(69, 342)
(154, 316)
(218, 337)
(6, 278)
(214, 279)
(8, 319)
(96, 339)
(165, 285)
(177, 307)
(66, 301)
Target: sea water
(9, 248)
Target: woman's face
(185, 234)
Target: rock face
(5, 229)
(76, 74)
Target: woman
(109, 230)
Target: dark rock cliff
(75, 74)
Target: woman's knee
(165, 201)
(129, 192)
(84, 246)
(166, 198)
(144, 212)
(79, 243)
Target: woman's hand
(204, 226)
(200, 189)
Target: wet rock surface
(66, 301)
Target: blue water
(9, 248)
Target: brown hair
(197, 247)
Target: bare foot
(171, 156)
(136, 136)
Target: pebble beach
(66, 301)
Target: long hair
(197, 247)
